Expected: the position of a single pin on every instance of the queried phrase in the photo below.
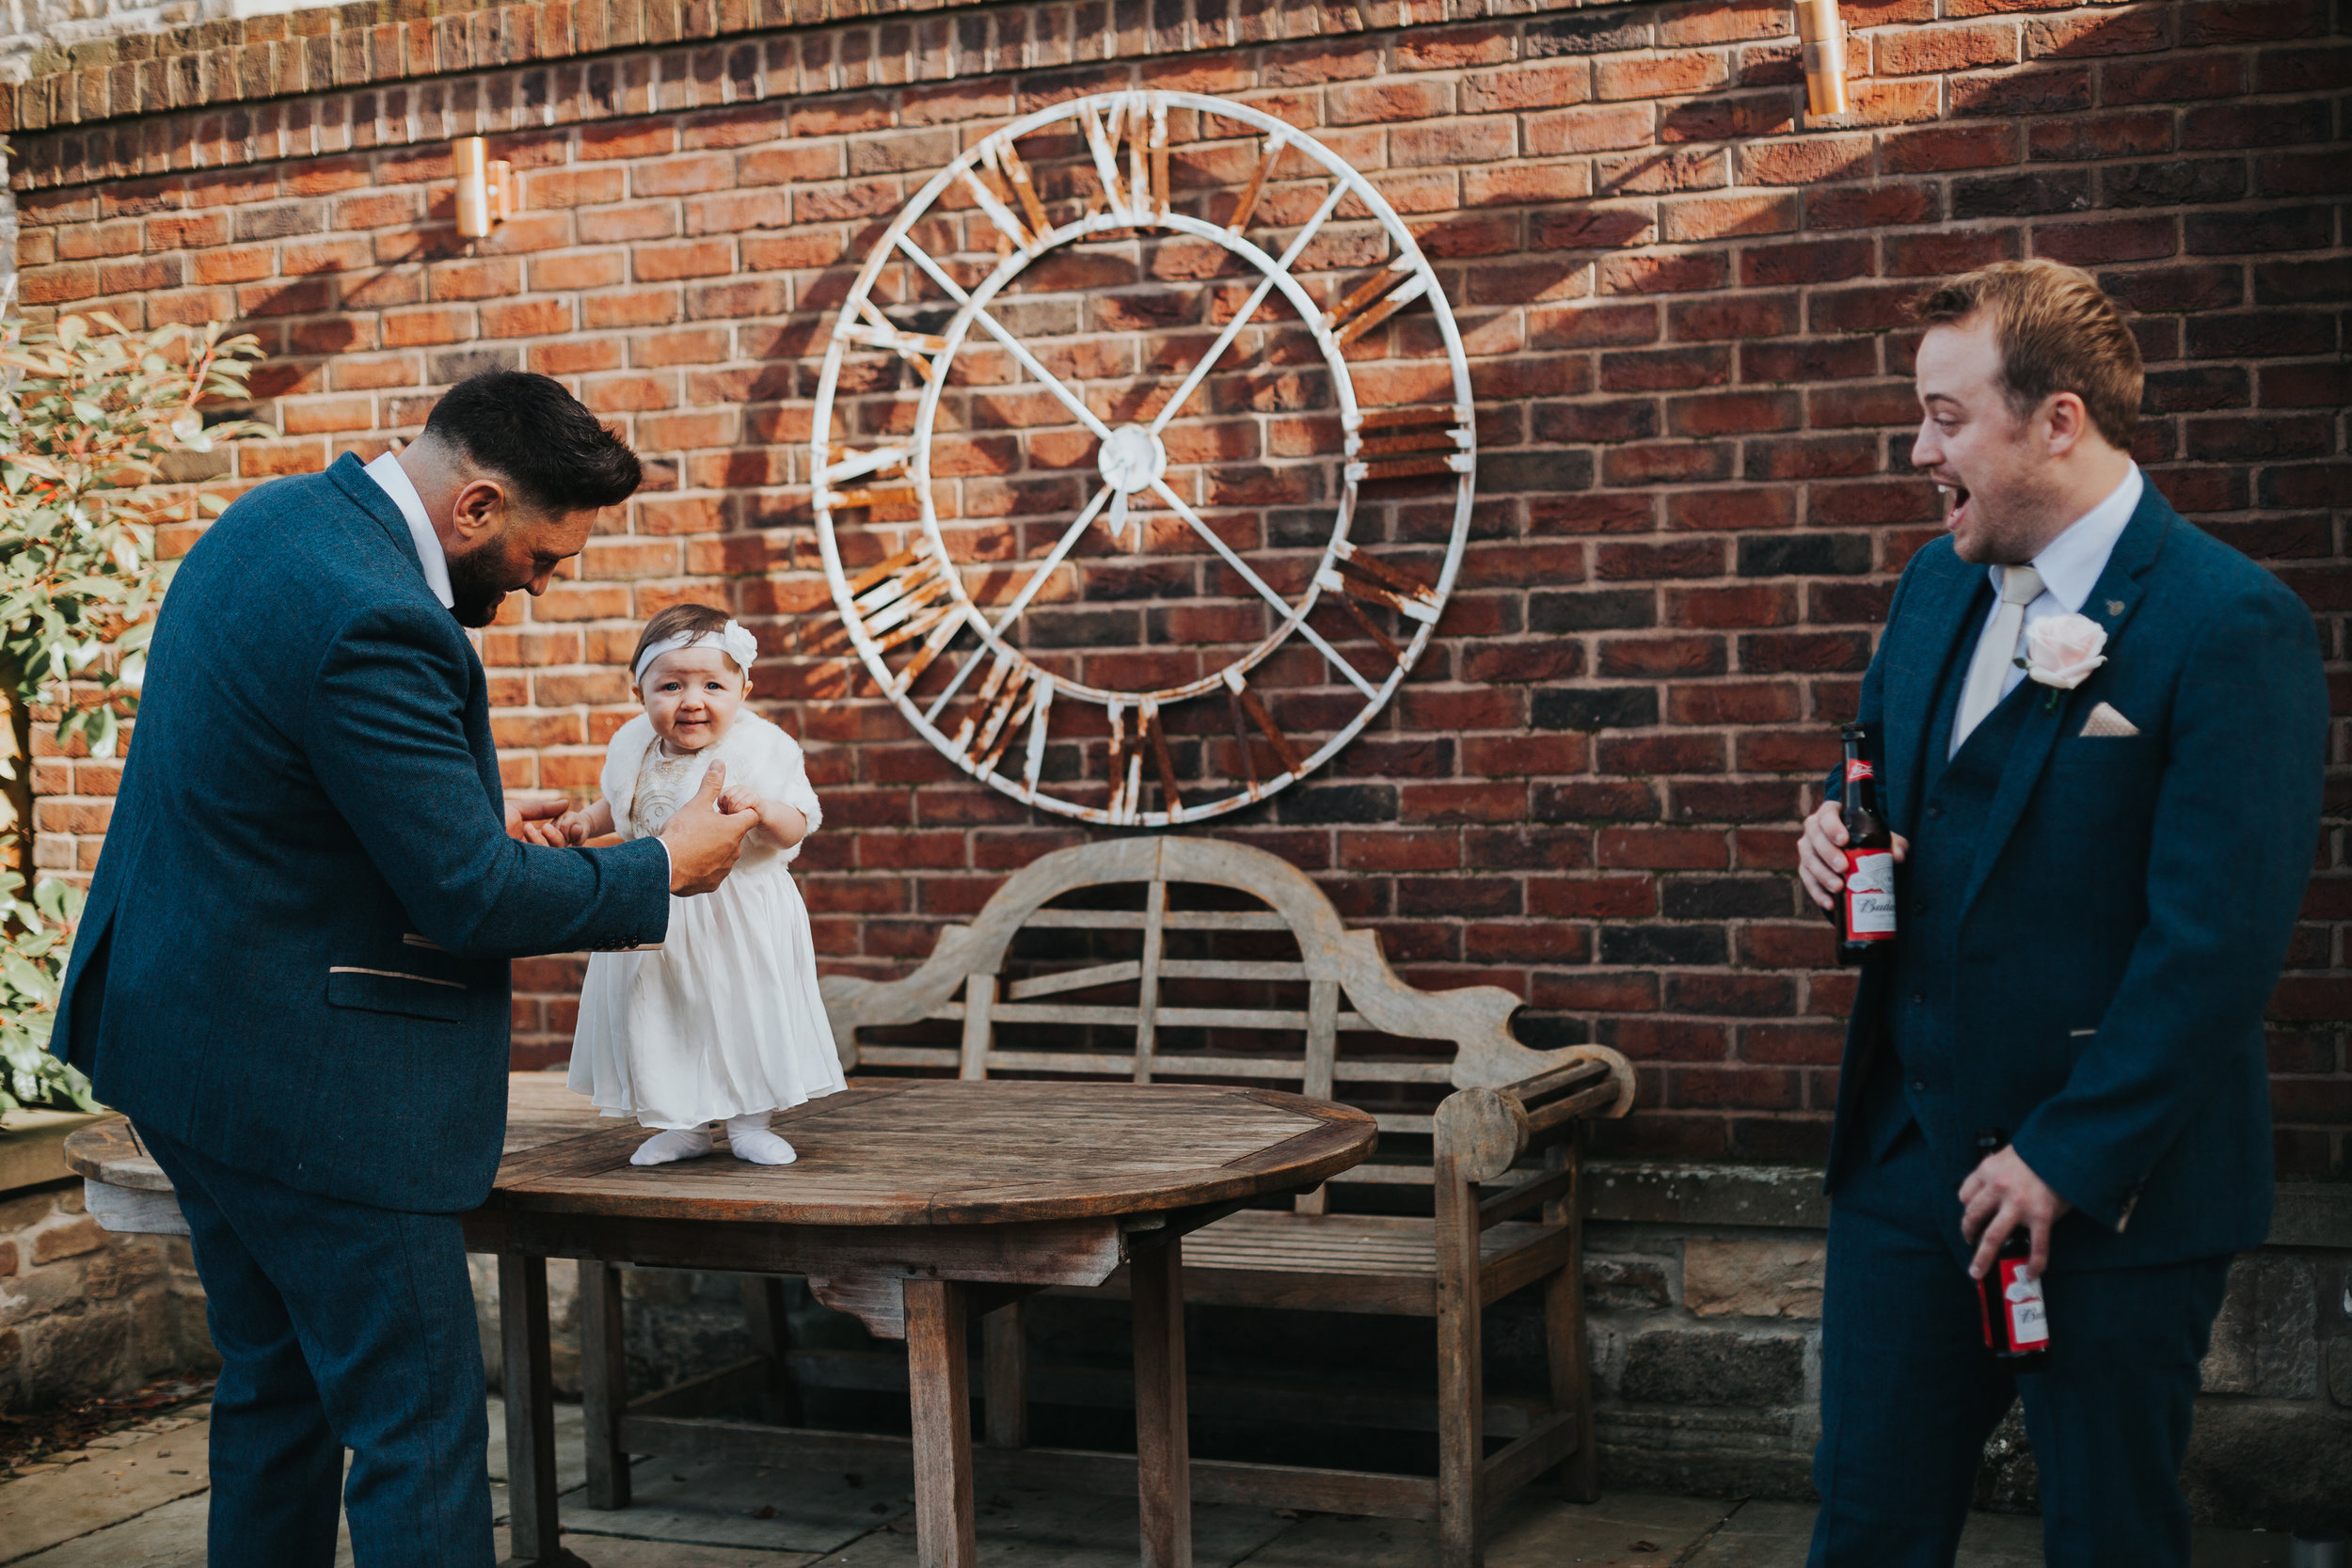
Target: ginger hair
(2058, 332)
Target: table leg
(1162, 1452)
(530, 1409)
(1005, 1347)
(938, 1385)
(603, 1383)
(770, 1332)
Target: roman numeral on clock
(1252, 704)
(879, 331)
(1405, 443)
(896, 600)
(1143, 127)
(887, 465)
(1015, 235)
(1374, 300)
(999, 151)
(1376, 582)
(1275, 144)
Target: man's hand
(533, 822)
(2000, 1195)
(704, 841)
(1822, 853)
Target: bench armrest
(1482, 1131)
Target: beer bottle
(2016, 1321)
(1866, 912)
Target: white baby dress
(724, 1019)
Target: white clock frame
(918, 591)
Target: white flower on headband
(737, 643)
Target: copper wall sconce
(486, 187)
(1824, 35)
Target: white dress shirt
(2070, 567)
(388, 473)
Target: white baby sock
(749, 1138)
(678, 1143)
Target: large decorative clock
(1140, 508)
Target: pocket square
(2104, 721)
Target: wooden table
(916, 1205)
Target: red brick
(692, 259)
(1535, 85)
(1673, 74)
(1947, 147)
(1917, 51)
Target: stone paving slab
(1061, 1530)
(1528, 1532)
(722, 1503)
(124, 1508)
(119, 1480)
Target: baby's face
(693, 696)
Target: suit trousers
(340, 1327)
(1910, 1394)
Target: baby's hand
(737, 797)
(571, 829)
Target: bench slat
(1176, 920)
(1077, 979)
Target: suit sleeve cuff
(2074, 1180)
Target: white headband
(737, 643)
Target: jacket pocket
(386, 990)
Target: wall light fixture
(486, 187)
(1824, 37)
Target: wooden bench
(1199, 960)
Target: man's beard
(473, 585)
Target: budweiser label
(1857, 768)
(1870, 894)
(2028, 1316)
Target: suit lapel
(2110, 604)
(1933, 623)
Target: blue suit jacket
(294, 953)
(2128, 901)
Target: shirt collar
(387, 472)
(2071, 563)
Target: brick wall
(1684, 311)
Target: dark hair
(529, 430)
(2058, 332)
(697, 620)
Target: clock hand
(1071, 535)
(1053, 559)
(1028, 362)
(1242, 317)
(1297, 617)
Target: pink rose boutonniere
(2061, 651)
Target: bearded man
(291, 970)
(2099, 734)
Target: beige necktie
(1996, 651)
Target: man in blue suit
(2099, 873)
(291, 970)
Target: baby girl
(724, 1022)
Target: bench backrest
(1184, 959)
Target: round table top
(909, 1152)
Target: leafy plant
(32, 968)
(89, 411)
